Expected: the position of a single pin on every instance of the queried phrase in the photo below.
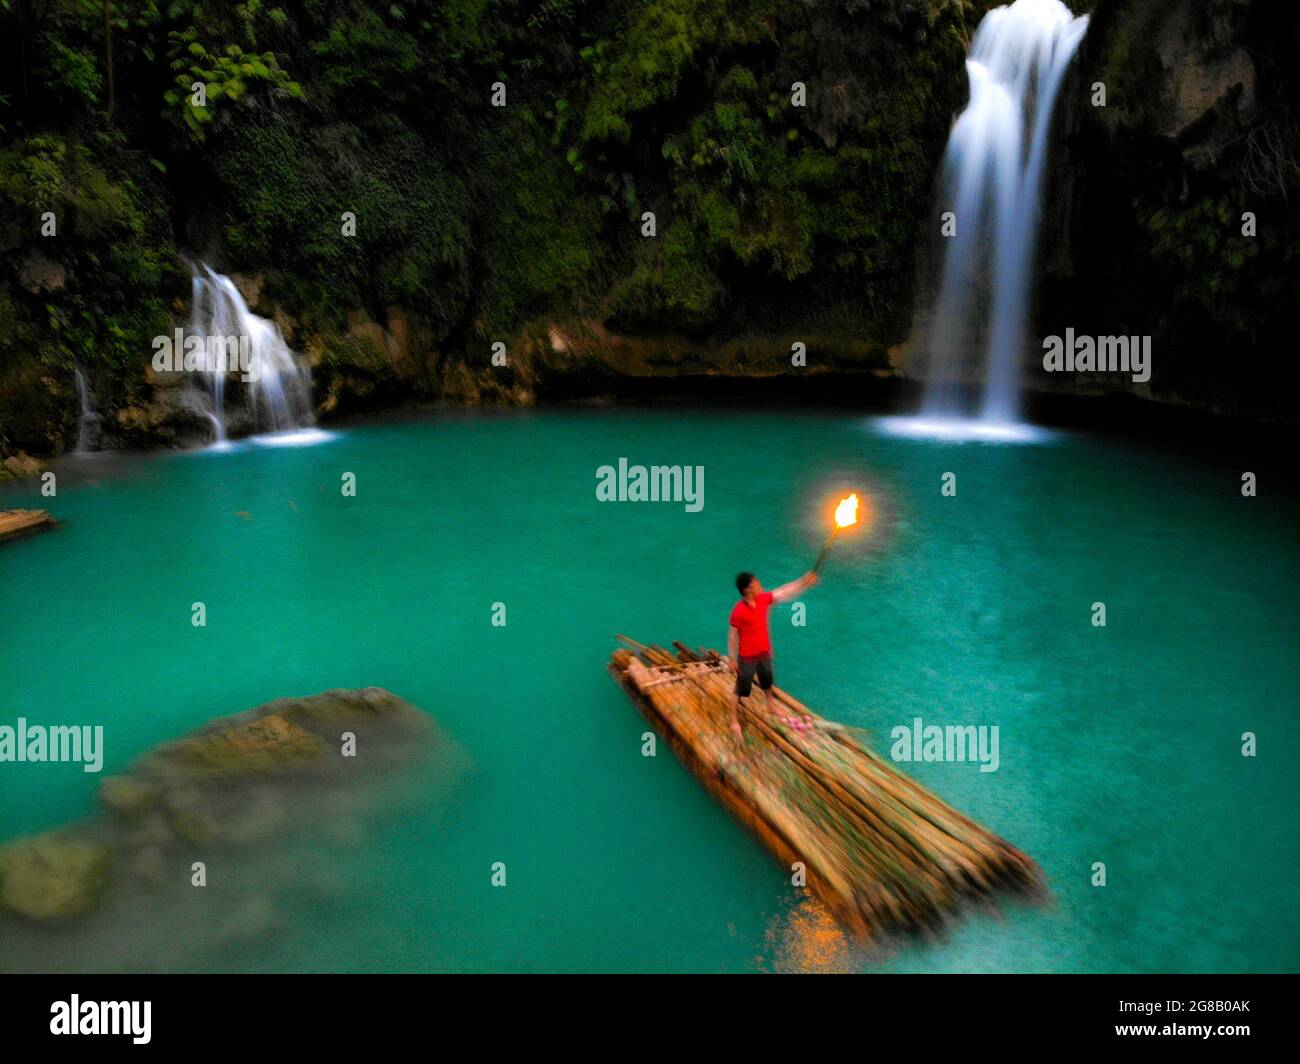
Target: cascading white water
(88, 426)
(991, 182)
(278, 393)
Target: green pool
(1118, 744)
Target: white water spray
(279, 398)
(992, 182)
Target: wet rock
(191, 816)
(148, 867)
(126, 797)
(170, 416)
(255, 919)
(153, 829)
(237, 783)
(53, 876)
(345, 830)
(39, 273)
(164, 378)
(249, 286)
(1197, 80)
(342, 705)
(262, 746)
(23, 465)
(261, 814)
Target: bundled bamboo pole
(881, 851)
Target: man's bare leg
(735, 716)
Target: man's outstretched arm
(733, 647)
(795, 587)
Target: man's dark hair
(743, 581)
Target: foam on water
(293, 438)
(962, 430)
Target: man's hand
(811, 579)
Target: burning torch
(846, 515)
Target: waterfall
(277, 394)
(88, 426)
(991, 182)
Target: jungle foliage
(474, 217)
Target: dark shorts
(760, 665)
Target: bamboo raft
(14, 524)
(878, 849)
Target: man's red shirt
(751, 623)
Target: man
(749, 647)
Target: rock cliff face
(1174, 208)
(1171, 211)
(1174, 137)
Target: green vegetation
(242, 134)
(94, 290)
(787, 152)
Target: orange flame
(846, 513)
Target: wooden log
(14, 524)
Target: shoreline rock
(21, 465)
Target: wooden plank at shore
(881, 851)
(17, 523)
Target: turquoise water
(1119, 744)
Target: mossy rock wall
(1148, 197)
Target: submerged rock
(126, 796)
(287, 735)
(254, 920)
(234, 783)
(267, 744)
(53, 875)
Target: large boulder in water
(288, 734)
(54, 875)
(126, 796)
(266, 744)
(236, 782)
